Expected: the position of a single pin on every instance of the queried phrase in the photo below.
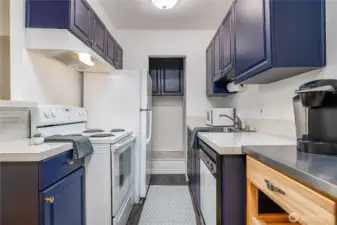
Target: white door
(146, 132)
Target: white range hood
(62, 46)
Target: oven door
(122, 171)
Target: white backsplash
(282, 128)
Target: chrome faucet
(237, 121)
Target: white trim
(168, 167)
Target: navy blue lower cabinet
(27, 197)
(277, 39)
(231, 189)
(63, 203)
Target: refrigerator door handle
(148, 139)
(145, 110)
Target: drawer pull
(273, 188)
(49, 200)
(69, 163)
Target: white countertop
(22, 151)
(232, 143)
(17, 104)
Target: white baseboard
(168, 167)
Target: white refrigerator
(123, 100)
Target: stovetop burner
(93, 131)
(117, 130)
(101, 135)
(75, 135)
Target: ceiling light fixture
(164, 4)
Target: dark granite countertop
(318, 171)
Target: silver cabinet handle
(273, 188)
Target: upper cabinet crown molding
(262, 41)
(80, 19)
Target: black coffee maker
(315, 109)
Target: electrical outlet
(262, 108)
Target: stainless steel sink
(237, 130)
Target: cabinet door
(172, 81)
(155, 70)
(252, 38)
(80, 20)
(98, 36)
(63, 203)
(119, 57)
(217, 51)
(189, 154)
(197, 175)
(193, 163)
(227, 44)
(110, 49)
(209, 69)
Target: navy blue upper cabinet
(63, 203)
(276, 39)
(227, 41)
(217, 53)
(111, 49)
(119, 57)
(80, 20)
(98, 38)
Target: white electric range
(110, 177)
(109, 170)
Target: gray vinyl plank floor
(168, 179)
(168, 205)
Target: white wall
(34, 77)
(272, 103)
(167, 124)
(138, 45)
(4, 68)
(4, 17)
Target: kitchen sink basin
(236, 130)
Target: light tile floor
(168, 205)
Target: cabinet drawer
(55, 168)
(272, 219)
(309, 206)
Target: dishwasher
(208, 186)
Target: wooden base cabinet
(303, 204)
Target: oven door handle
(122, 144)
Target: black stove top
(93, 131)
(117, 130)
(101, 135)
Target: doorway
(168, 89)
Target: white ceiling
(186, 15)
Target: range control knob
(47, 114)
(53, 113)
(212, 167)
